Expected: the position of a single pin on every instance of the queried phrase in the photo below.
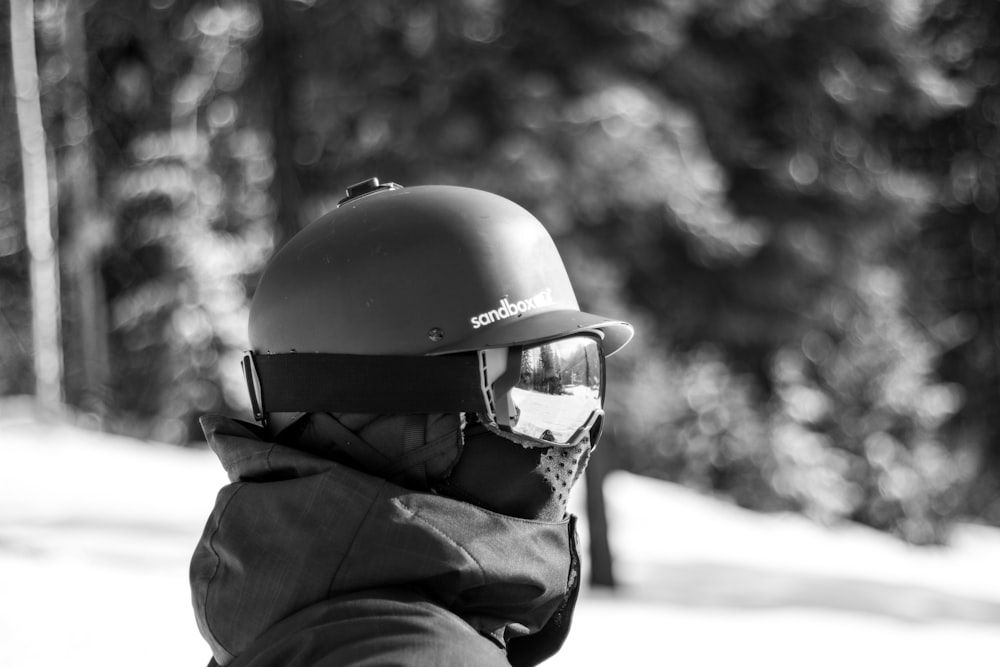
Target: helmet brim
(539, 327)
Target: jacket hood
(294, 529)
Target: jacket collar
(335, 530)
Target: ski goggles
(551, 394)
(543, 395)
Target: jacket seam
(354, 541)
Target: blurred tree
(186, 180)
(794, 200)
(85, 229)
(273, 78)
(800, 252)
(16, 374)
(952, 254)
(40, 233)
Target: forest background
(794, 201)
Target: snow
(707, 583)
(96, 533)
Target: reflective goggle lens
(559, 392)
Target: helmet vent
(367, 187)
(436, 334)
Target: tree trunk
(39, 230)
(277, 66)
(87, 225)
(601, 560)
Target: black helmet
(399, 284)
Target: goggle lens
(559, 393)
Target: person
(426, 391)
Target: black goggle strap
(320, 382)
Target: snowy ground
(95, 536)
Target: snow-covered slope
(707, 583)
(96, 532)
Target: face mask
(498, 474)
(435, 453)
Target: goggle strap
(321, 382)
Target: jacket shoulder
(380, 627)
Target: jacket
(305, 561)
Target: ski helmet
(399, 283)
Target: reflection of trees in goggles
(559, 390)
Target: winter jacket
(305, 561)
